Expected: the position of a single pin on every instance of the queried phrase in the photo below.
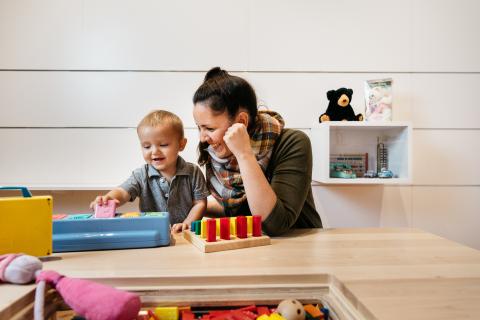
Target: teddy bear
(339, 108)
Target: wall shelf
(352, 137)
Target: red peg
(225, 228)
(257, 226)
(211, 230)
(241, 227)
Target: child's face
(160, 147)
(212, 128)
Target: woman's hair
(223, 92)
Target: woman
(253, 164)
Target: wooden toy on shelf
(235, 233)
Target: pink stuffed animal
(82, 296)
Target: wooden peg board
(223, 245)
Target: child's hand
(102, 200)
(180, 227)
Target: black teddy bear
(339, 108)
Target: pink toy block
(106, 211)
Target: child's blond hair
(162, 117)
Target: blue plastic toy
(82, 232)
(341, 170)
(385, 173)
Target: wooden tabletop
(394, 273)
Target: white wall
(76, 77)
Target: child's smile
(160, 148)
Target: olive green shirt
(290, 175)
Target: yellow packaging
(26, 225)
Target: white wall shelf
(352, 137)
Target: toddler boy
(166, 182)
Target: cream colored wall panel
(365, 36)
(370, 35)
(171, 35)
(445, 100)
(445, 35)
(363, 206)
(446, 157)
(451, 212)
(123, 98)
(93, 99)
(260, 35)
(396, 207)
(126, 35)
(73, 158)
(41, 34)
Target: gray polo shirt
(156, 194)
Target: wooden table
(389, 273)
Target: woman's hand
(237, 140)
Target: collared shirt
(157, 194)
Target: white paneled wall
(77, 76)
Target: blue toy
(341, 170)
(83, 232)
(385, 173)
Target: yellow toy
(167, 313)
(26, 223)
(273, 316)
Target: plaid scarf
(223, 175)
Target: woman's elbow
(279, 222)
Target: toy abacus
(212, 235)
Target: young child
(166, 182)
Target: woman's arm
(291, 177)
(260, 195)
(281, 200)
(214, 209)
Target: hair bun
(214, 73)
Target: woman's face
(212, 128)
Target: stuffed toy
(339, 108)
(379, 104)
(82, 296)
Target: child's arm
(119, 195)
(196, 213)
